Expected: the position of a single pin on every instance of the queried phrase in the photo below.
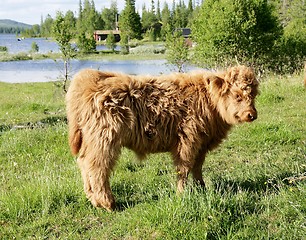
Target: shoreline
(101, 55)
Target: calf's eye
(238, 97)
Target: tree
(166, 20)
(36, 30)
(158, 14)
(150, 23)
(70, 18)
(63, 34)
(34, 47)
(180, 15)
(239, 30)
(88, 22)
(46, 26)
(292, 46)
(129, 22)
(111, 41)
(109, 16)
(177, 49)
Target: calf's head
(233, 94)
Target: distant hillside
(10, 26)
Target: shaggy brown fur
(184, 114)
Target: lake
(16, 45)
(50, 70)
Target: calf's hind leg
(100, 163)
(84, 172)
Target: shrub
(124, 43)
(111, 42)
(229, 31)
(3, 49)
(34, 47)
(148, 49)
(177, 50)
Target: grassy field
(256, 187)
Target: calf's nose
(252, 116)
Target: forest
(10, 27)
(266, 33)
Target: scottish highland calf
(184, 114)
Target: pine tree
(166, 21)
(158, 14)
(109, 16)
(86, 25)
(46, 27)
(111, 42)
(129, 22)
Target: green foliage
(63, 34)
(109, 16)
(111, 41)
(21, 56)
(150, 23)
(86, 43)
(228, 31)
(88, 21)
(180, 15)
(177, 50)
(34, 31)
(255, 187)
(129, 21)
(34, 47)
(166, 20)
(124, 43)
(71, 21)
(147, 50)
(3, 49)
(9, 26)
(292, 46)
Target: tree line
(151, 22)
(269, 34)
(11, 30)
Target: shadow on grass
(261, 185)
(45, 122)
(129, 197)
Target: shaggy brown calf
(184, 114)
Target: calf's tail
(75, 136)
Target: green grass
(255, 186)
(148, 51)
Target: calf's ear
(217, 85)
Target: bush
(111, 42)
(148, 49)
(124, 43)
(177, 50)
(34, 47)
(230, 31)
(3, 49)
(288, 56)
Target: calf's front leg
(197, 171)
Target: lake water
(16, 45)
(50, 70)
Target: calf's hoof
(103, 201)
